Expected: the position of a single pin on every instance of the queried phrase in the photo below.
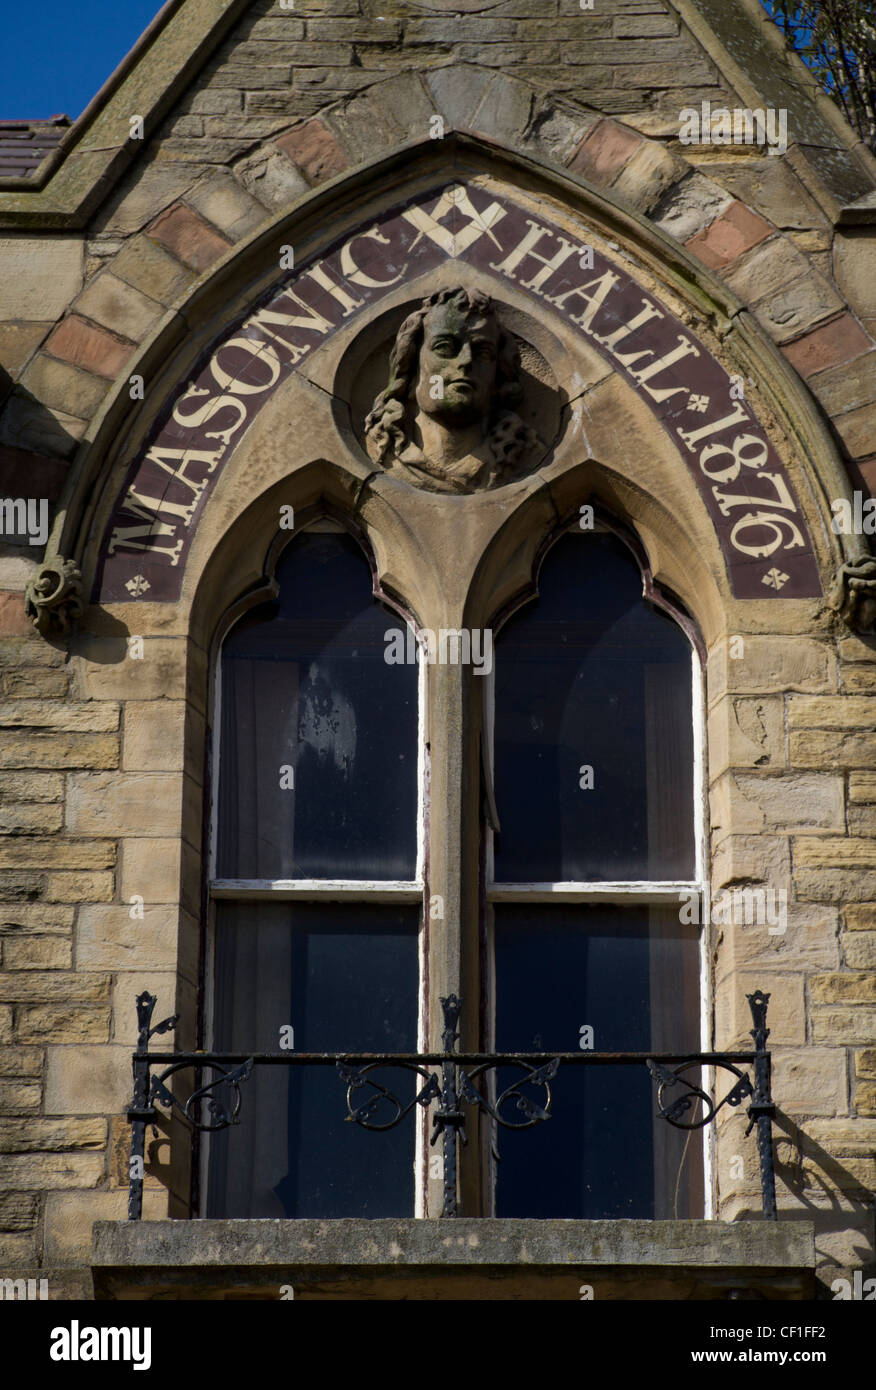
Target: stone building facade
(231, 235)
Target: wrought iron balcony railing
(450, 1080)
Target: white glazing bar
(642, 891)
(701, 788)
(422, 740)
(365, 890)
(214, 771)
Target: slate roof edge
(97, 148)
(104, 94)
(30, 140)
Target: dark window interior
(345, 978)
(308, 699)
(630, 974)
(590, 675)
(305, 686)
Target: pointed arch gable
(650, 173)
(156, 506)
(242, 281)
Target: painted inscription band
(759, 524)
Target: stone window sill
(463, 1258)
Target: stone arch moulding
(239, 578)
(506, 575)
(241, 560)
(502, 594)
(145, 472)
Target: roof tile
(25, 144)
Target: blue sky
(56, 54)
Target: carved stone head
(444, 421)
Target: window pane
(345, 979)
(318, 769)
(592, 676)
(630, 974)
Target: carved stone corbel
(53, 598)
(853, 595)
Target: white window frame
(623, 891)
(410, 891)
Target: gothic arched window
(596, 713)
(317, 885)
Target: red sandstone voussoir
(314, 150)
(14, 622)
(735, 231)
(867, 470)
(604, 151)
(84, 345)
(188, 237)
(838, 341)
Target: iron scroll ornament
(666, 1077)
(760, 1112)
(149, 1090)
(455, 1087)
(221, 1113)
(450, 1078)
(358, 1077)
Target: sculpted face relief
(459, 357)
(441, 423)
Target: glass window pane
(345, 978)
(318, 769)
(592, 676)
(631, 974)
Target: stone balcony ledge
(468, 1258)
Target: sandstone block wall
(101, 760)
